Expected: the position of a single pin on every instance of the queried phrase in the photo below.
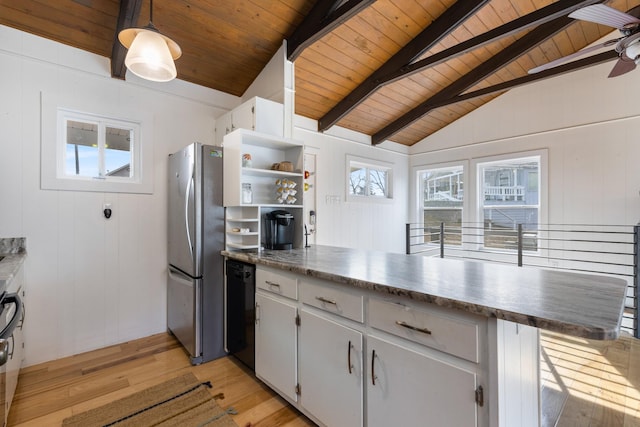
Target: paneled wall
(90, 282)
(368, 224)
(589, 126)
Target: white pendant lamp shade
(150, 54)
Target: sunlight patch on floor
(587, 382)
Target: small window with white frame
(96, 151)
(368, 179)
(97, 147)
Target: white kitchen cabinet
(265, 150)
(331, 370)
(407, 387)
(276, 344)
(242, 227)
(263, 181)
(257, 114)
(412, 363)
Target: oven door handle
(11, 326)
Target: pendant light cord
(150, 10)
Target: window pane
(511, 184)
(117, 154)
(443, 195)
(357, 181)
(81, 149)
(443, 188)
(377, 182)
(511, 197)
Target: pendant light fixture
(151, 54)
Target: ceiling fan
(627, 46)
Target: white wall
(90, 282)
(588, 124)
(371, 225)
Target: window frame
(478, 166)
(420, 208)
(102, 123)
(54, 110)
(368, 164)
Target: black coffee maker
(279, 230)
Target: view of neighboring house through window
(510, 196)
(443, 195)
(368, 180)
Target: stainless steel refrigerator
(195, 303)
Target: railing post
(519, 245)
(442, 240)
(636, 282)
(407, 239)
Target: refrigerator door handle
(179, 274)
(186, 212)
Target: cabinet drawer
(277, 282)
(458, 337)
(334, 300)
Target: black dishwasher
(240, 312)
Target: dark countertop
(581, 305)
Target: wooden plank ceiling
(394, 69)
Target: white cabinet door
(407, 388)
(223, 127)
(276, 344)
(330, 371)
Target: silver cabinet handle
(349, 358)
(413, 328)
(327, 300)
(275, 285)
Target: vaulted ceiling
(397, 70)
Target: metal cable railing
(597, 249)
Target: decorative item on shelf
(306, 174)
(285, 191)
(240, 230)
(246, 160)
(282, 166)
(307, 186)
(247, 195)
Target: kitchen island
(448, 325)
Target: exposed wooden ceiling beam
(530, 78)
(325, 16)
(540, 16)
(127, 17)
(519, 47)
(441, 27)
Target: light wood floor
(50, 392)
(590, 383)
(585, 383)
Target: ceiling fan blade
(605, 15)
(571, 57)
(622, 67)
